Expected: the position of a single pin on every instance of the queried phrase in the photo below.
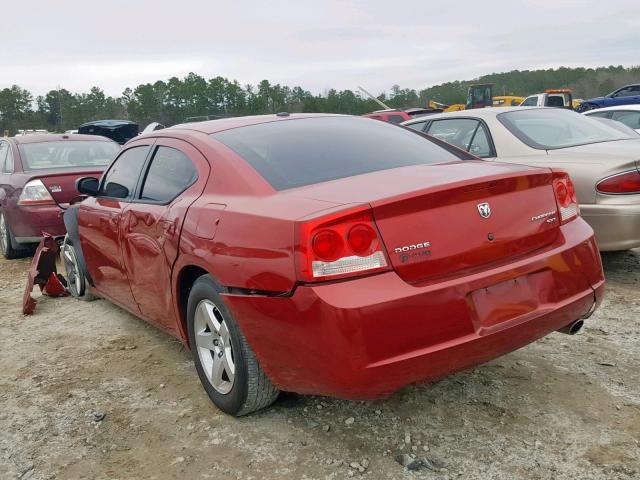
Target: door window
(530, 102)
(9, 166)
(600, 114)
(418, 126)
(629, 117)
(170, 173)
(122, 177)
(465, 133)
(4, 148)
(628, 91)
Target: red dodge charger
(330, 255)
(37, 180)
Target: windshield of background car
(556, 128)
(67, 154)
(298, 152)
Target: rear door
(99, 222)
(174, 177)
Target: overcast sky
(315, 44)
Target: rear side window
(297, 152)
(121, 179)
(465, 133)
(396, 118)
(170, 173)
(456, 131)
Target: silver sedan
(602, 158)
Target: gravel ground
(89, 391)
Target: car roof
(214, 126)
(632, 106)
(57, 137)
(488, 112)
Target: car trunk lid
(446, 219)
(62, 186)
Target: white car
(627, 114)
(602, 157)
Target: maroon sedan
(37, 180)
(330, 255)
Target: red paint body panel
(150, 235)
(473, 299)
(366, 338)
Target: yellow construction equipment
(478, 96)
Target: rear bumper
(617, 227)
(28, 222)
(366, 338)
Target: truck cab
(560, 98)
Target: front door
(99, 221)
(174, 178)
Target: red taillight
(339, 245)
(623, 183)
(327, 244)
(566, 198)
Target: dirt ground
(89, 391)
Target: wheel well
(186, 279)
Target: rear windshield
(67, 154)
(554, 128)
(298, 152)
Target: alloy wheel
(213, 343)
(73, 270)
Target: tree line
(175, 100)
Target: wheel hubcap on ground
(214, 346)
(3, 234)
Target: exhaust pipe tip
(573, 327)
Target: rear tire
(227, 367)
(77, 282)
(8, 245)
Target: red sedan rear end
(37, 180)
(333, 255)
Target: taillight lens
(623, 183)
(339, 245)
(35, 193)
(566, 197)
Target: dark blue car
(623, 96)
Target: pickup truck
(550, 98)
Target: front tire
(227, 367)
(77, 282)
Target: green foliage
(172, 101)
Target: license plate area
(509, 300)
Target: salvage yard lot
(89, 391)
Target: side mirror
(88, 186)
